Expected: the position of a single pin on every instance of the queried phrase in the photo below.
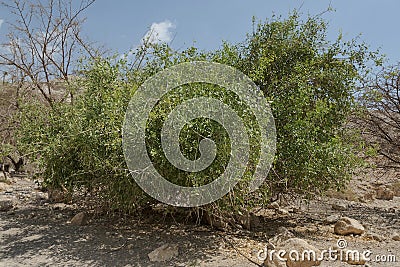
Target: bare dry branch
(381, 99)
(44, 42)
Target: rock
(384, 193)
(6, 205)
(368, 197)
(283, 211)
(375, 237)
(164, 253)
(9, 190)
(396, 237)
(274, 262)
(58, 195)
(40, 197)
(273, 205)
(282, 235)
(347, 226)
(391, 210)
(80, 219)
(295, 209)
(3, 186)
(396, 189)
(357, 262)
(339, 206)
(59, 206)
(353, 259)
(332, 219)
(244, 220)
(299, 246)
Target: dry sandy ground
(38, 233)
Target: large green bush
(307, 80)
(310, 83)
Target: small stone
(274, 262)
(41, 197)
(347, 226)
(391, 210)
(57, 195)
(396, 237)
(368, 197)
(384, 193)
(273, 205)
(3, 186)
(332, 219)
(396, 189)
(282, 235)
(244, 220)
(59, 206)
(6, 205)
(300, 246)
(10, 212)
(352, 258)
(283, 211)
(375, 237)
(80, 219)
(339, 206)
(9, 190)
(164, 253)
(284, 231)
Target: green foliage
(201, 128)
(310, 84)
(307, 80)
(80, 146)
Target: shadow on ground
(42, 237)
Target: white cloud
(1, 22)
(160, 32)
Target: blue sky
(121, 25)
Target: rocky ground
(35, 232)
